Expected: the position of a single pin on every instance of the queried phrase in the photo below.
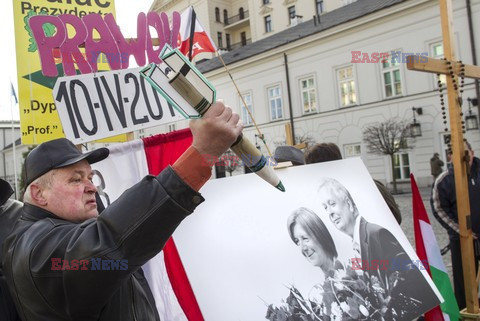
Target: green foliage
(48, 28)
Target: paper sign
(95, 106)
(254, 254)
(174, 63)
(39, 121)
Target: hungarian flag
(429, 253)
(194, 39)
(126, 165)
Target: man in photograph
(399, 289)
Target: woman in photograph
(342, 293)
(310, 234)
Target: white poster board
(238, 253)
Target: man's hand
(216, 131)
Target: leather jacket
(9, 212)
(131, 231)
(444, 200)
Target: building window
(268, 24)
(392, 82)
(291, 12)
(246, 119)
(217, 14)
(319, 6)
(225, 16)
(401, 165)
(309, 96)
(352, 150)
(346, 86)
(241, 13)
(437, 53)
(243, 36)
(266, 2)
(229, 41)
(275, 102)
(219, 40)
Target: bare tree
(299, 139)
(388, 138)
(305, 138)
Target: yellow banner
(39, 120)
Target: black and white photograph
(326, 249)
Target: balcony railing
(237, 18)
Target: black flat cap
(289, 154)
(57, 153)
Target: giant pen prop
(190, 93)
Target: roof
(18, 142)
(328, 20)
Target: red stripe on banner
(420, 213)
(180, 283)
(161, 151)
(164, 149)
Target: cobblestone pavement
(404, 202)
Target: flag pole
(12, 105)
(193, 21)
(260, 135)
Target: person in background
(9, 213)
(325, 152)
(289, 154)
(436, 166)
(49, 255)
(444, 207)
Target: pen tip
(280, 187)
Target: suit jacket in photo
(388, 266)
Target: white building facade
(11, 159)
(316, 75)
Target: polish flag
(126, 165)
(428, 251)
(194, 39)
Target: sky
(126, 17)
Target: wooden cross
(460, 166)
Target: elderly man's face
(71, 194)
(338, 209)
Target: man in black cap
(289, 154)
(63, 261)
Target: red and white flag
(126, 165)
(194, 39)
